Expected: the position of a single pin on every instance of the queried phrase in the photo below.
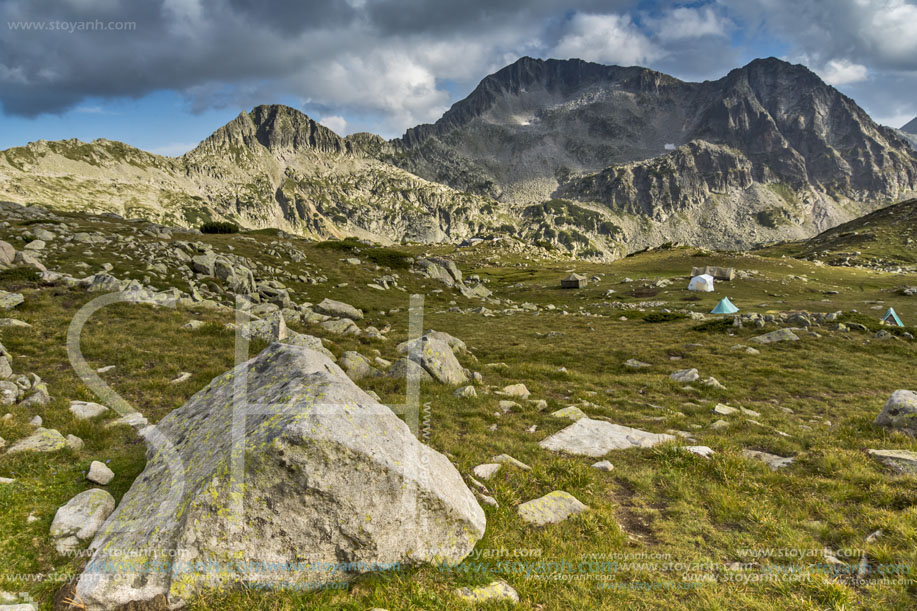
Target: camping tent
(703, 283)
(573, 281)
(725, 307)
(891, 317)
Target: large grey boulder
(204, 263)
(441, 269)
(339, 309)
(437, 358)
(588, 437)
(900, 412)
(80, 519)
(334, 483)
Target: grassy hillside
(665, 528)
(884, 238)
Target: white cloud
(335, 123)
(610, 39)
(843, 72)
(683, 23)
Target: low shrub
(664, 316)
(219, 227)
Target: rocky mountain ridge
(589, 159)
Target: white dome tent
(702, 283)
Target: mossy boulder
(328, 484)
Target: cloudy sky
(163, 74)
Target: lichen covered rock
(333, 485)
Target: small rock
(185, 376)
(724, 410)
(900, 412)
(685, 376)
(603, 465)
(496, 591)
(486, 471)
(506, 459)
(713, 383)
(74, 443)
(571, 413)
(780, 335)
(516, 390)
(635, 364)
(84, 410)
(8, 301)
(702, 451)
(902, 461)
(507, 406)
(466, 392)
(551, 508)
(771, 460)
(99, 473)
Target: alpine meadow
(403, 305)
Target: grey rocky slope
(595, 160)
(271, 168)
(768, 151)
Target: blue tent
(725, 307)
(892, 316)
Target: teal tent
(892, 317)
(725, 307)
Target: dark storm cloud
(380, 58)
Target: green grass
(658, 501)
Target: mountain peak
(275, 127)
(910, 127)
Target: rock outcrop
(333, 484)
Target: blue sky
(164, 74)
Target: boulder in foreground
(334, 485)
